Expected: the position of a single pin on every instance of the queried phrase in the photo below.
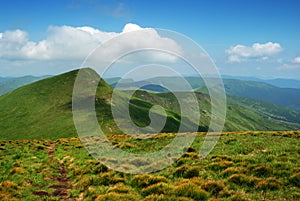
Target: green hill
(39, 109)
(44, 110)
(249, 114)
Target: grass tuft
(161, 197)
(262, 171)
(16, 170)
(295, 180)
(214, 187)
(112, 196)
(191, 190)
(268, 185)
(142, 181)
(158, 188)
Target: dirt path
(63, 186)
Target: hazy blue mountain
(287, 97)
(10, 84)
(144, 85)
(284, 83)
(3, 79)
(115, 80)
(278, 82)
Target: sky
(244, 38)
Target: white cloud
(75, 43)
(12, 42)
(296, 60)
(234, 58)
(131, 27)
(240, 53)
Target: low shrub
(270, 184)
(220, 166)
(232, 170)
(181, 161)
(226, 193)
(119, 188)
(238, 197)
(144, 180)
(161, 197)
(295, 180)
(180, 170)
(110, 178)
(7, 184)
(158, 188)
(191, 172)
(190, 155)
(16, 170)
(112, 196)
(9, 190)
(243, 180)
(238, 179)
(262, 171)
(252, 181)
(221, 158)
(191, 190)
(187, 171)
(214, 187)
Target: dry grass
(214, 187)
(191, 190)
(248, 166)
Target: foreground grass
(243, 166)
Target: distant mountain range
(287, 97)
(278, 82)
(11, 83)
(43, 109)
(3, 78)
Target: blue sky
(248, 38)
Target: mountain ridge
(234, 87)
(43, 109)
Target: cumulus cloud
(296, 60)
(75, 43)
(63, 42)
(131, 27)
(240, 53)
(145, 38)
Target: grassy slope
(264, 109)
(38, 109)
(264, 92)
(44, 110)
(249, 89)
(240, 117)
(242, 166)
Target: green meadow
(242, 166)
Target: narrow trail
(63, 186)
